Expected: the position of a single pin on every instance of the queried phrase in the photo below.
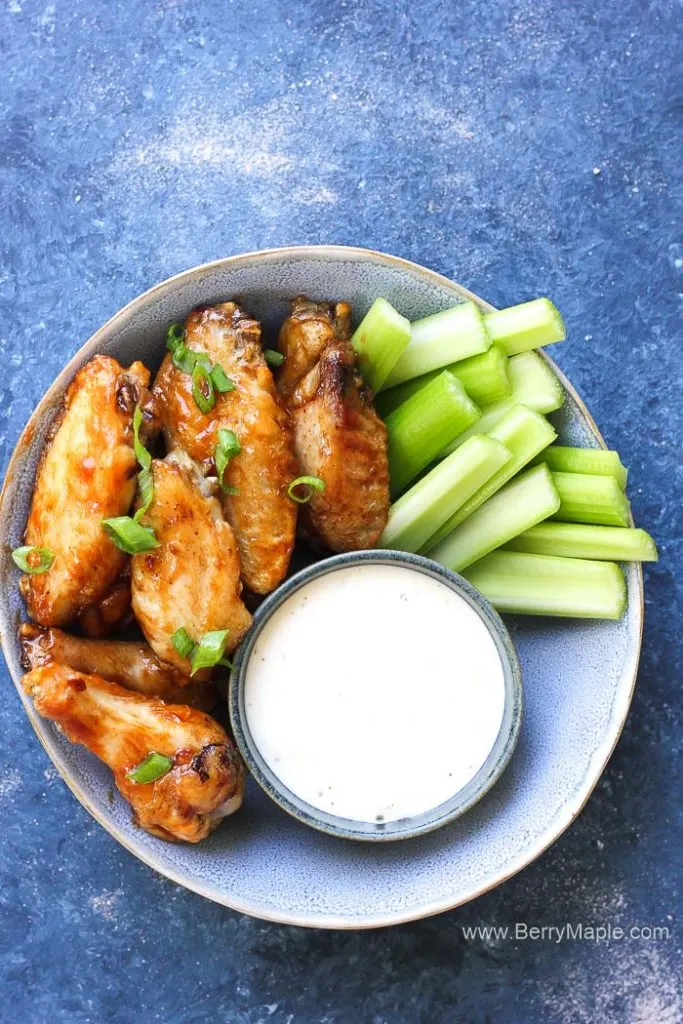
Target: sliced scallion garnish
(146, 486)
(32, 560)
(311, 483)
(205, 654)
(150, 768)
(174, 336)
(129, 535)
(141, 453)
(228, 446)
(272, 357)
(220, 380)
(184, 358)
(183, 642)
(202, 388)
(209, 651)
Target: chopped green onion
(527, 326)
(183, 642)
(146, 486)
(209, 651)
(313, 483)
(141, 453)
(272, 357)
(228, 446)
(202, 388)
(32, 560)
(544, 585)
(129, 535)
(150, 769)
(380, 340)
(220, 380)
(174, 337)
(184, 358)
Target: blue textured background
(524, 147)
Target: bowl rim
(56, 390)
(459, 802)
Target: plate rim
(329, 921)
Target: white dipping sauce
(374, 692)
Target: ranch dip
(374, 692)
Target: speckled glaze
(579, 676)
(405, 828)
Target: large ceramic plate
(578, 676)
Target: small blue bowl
(459, 802)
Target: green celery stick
(529, 325)
(432, 500)
(581, 540)
(379, 340)
(485, 378)
(525, 501)
(596, 461)
(420, 429)
(525, 433)
(588, 498)
(533, 384)
(545, 585)
(441, 339)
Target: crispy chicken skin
(193, 578)
(260, 513)
(133, 665)
(206, 782)
(308, 329)
(338, 436)
(86, 474)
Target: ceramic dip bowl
(278, 704)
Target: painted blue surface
(523, 148)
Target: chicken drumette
(205, 778)
(255, 502)
(133, 665)
(86, 474)
(338, 436)
(192, 579)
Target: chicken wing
(338, 436)
(133, 665)
(192, 579)
(260, 512)
(86, 474)
(206, 778)
(112, 611)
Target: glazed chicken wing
(112, 611)
(206, 779)
(86, 474)
(338, 436)
(260, 512)
(133, 665)
(192, 579)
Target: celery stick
(420, 429)
(529, 325)
(598, 461)
(379, 340)
(528, 499)
(525, 433)
(421, 510)
(440, 339)
(579, 540)
(544, 585)
(587, 498)
(533, 384)
(485, 378)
